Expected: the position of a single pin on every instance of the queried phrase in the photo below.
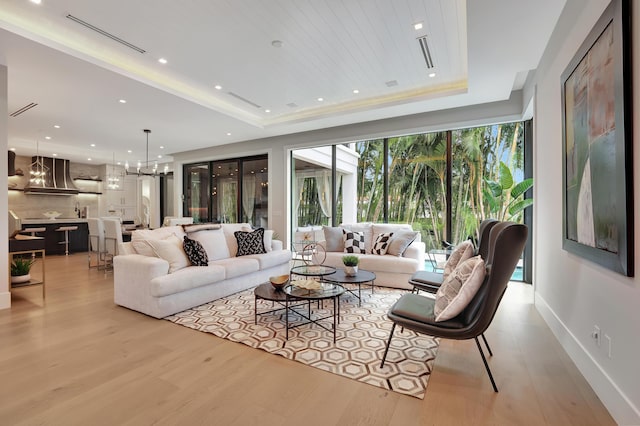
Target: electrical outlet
(607, 340)
(596, 335)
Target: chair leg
(486, 365)
(487, 345)
(393, 327)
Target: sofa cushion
(229, 229)
(186, 279)
(461, 252)
(270, 259)
(237, 266)
(367, 230)
(169, 249)
(200, 227)
(250, 242)
(214, 242)
(158, 233)
(353, 241)
(373, 262)
(195, 252)
(400, 241)
(333, 238)
(459, 288)
(381, 243)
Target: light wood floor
(80, 360)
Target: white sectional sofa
(160, 287)
(391, 270)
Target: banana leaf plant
(505, 198)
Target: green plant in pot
(20, 268)
(350, 265)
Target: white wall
(571, 293)
(5, 296)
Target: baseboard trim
(5, 300)
(621, 408)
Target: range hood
(57, 180)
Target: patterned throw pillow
(195, 252)
(459, 288)
(462, 252)
(353, 241)
(381, 244)
(250, 242)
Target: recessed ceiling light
(122, 101)
(56, 126)
(118, 163)
(356, 91)
(432, 74)
(12, 149)
(417, 26)
(159, 156)
(54, 154)
(218, 87)
(93, 144)
(228, 134)
(162, 60)
(88, 159)
(129, 151)
(36, 1)
(47, 137)
(320, 99)
(267, 110)
(161, 146)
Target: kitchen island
(54, 240)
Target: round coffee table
(326, 291)
(360, 278)
(266, 291)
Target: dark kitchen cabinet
(54, 240)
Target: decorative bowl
(52, 214)
(279, 281)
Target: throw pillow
(169, 249)
(267, 240)
(461, 252)
(214, 243)
(333, 238)
(195, 252)
(400, 241)
(353, 241)
(381, 244)
(459, 288)
(250, 242)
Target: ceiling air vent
(106, 34)
(245, 100)
(23, 109)
(292, 105)
(426, 52)
(391, 83)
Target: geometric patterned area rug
(361, 338)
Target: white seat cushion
(270, 259)
(237, 266)
(185, 279)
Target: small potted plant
(20, 268)
(350, 265)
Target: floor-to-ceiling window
(227, 191)
(443, 183)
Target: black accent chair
(430, 281)
(415, 312)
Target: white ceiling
(482, 50)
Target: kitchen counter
(45, 221)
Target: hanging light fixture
(113, 180)
(38, 169)
(146, 170)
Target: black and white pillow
(381, 244)
(250, 242)
(353, 241)
(195, 252)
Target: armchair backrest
(483, 236)
(505, 246)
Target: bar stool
(33, 232)
(66, 230)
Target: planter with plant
(350, 265)
(20, 268)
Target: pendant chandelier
(113, 180)
(38, 169)
(146, 170)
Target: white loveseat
(391, 270)
(143, 282)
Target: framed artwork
(597, 144)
